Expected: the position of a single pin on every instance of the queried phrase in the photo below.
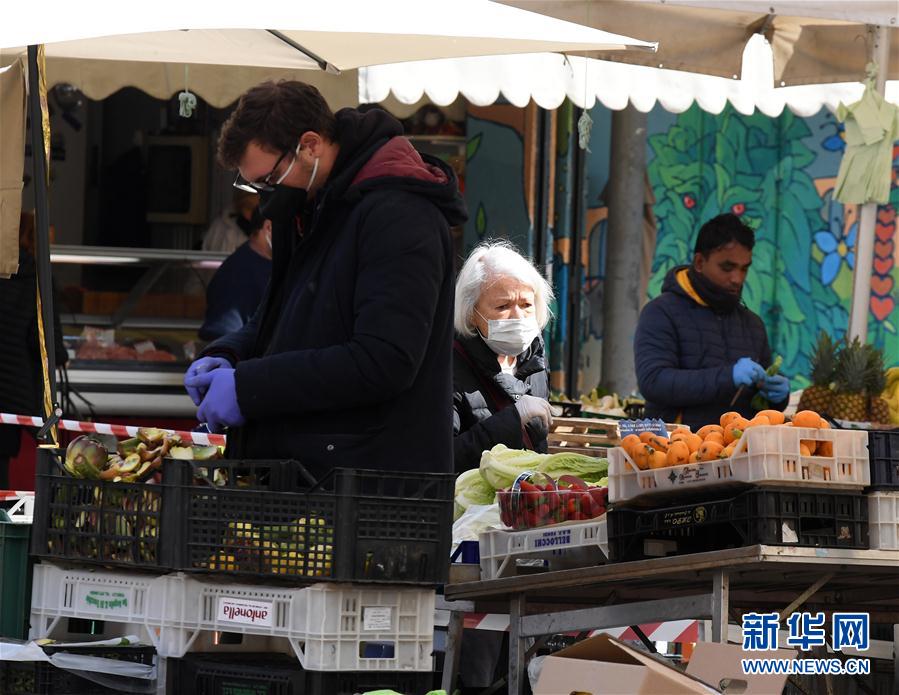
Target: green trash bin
(15, 578)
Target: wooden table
(718, 586)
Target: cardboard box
(602, 665)
(719, 665)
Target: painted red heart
(882, 266)
(884, 232)
(881, 286)
(883, 249)
(882, 307)
(886, 214)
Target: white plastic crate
(560, 546)
(331, 627)
(883, 520)
(764, 455)
(117, 598)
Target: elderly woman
(500, 379)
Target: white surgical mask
(510, 337)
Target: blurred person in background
(238, 286)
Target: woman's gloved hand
(747, 372)
(776, 388)
(201, 366)
(532, 407)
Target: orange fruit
(806, 447)
(775, 417)
(641, 457)
(727, 417)
(824, 449)
(659, 443)
(646, 436)
(630, 443)
(694, 457)
(678, 453)
(658, 459)
(704, 431)
(710, 450)
(758, 421)
(807, 418)
(728, 451)
(714, 437)
(825, 425)
(680, 430)
(735, 429)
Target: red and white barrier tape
(671, 631)
(125, 431)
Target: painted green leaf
(480, 222)
(472, 146)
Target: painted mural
(778, 173)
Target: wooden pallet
(585, 435)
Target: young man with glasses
(348, 360)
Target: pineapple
(849, 401)
(819, 395)
(875, 383)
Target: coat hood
(374, 156)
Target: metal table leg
(453, 651)
(517, 645)
(720, 605)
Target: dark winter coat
(479, 422)
(21, 381)
(347, 362)
(684, 355)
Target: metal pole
(879, 52)
(624, 250)
(517, 645)
(720, 604)
(42, 224)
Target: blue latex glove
(776, 388)
(747, 373)
(201, 366)
(219, 407)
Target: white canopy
(548, 79)
(180, 42)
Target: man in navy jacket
(696, 344)
(348, 360)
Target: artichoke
(86, 458)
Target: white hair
(489, 262)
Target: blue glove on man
(201, 366)
(219, 407)
(747, 372)
(776, 388)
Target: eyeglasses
(265, 185)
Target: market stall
(770, 515)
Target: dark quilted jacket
(684, 355)
(478, 424)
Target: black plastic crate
(271, 674)
(883, 452)
(768, 516)
(96, 521)
(352, 525)
(42, 678)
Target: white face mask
(510, 336)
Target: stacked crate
(334, 577)
(767, 493)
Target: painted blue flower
(837, 141)
(837, 249)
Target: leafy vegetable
(587, 468)
(501, 466)
(472, 489)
